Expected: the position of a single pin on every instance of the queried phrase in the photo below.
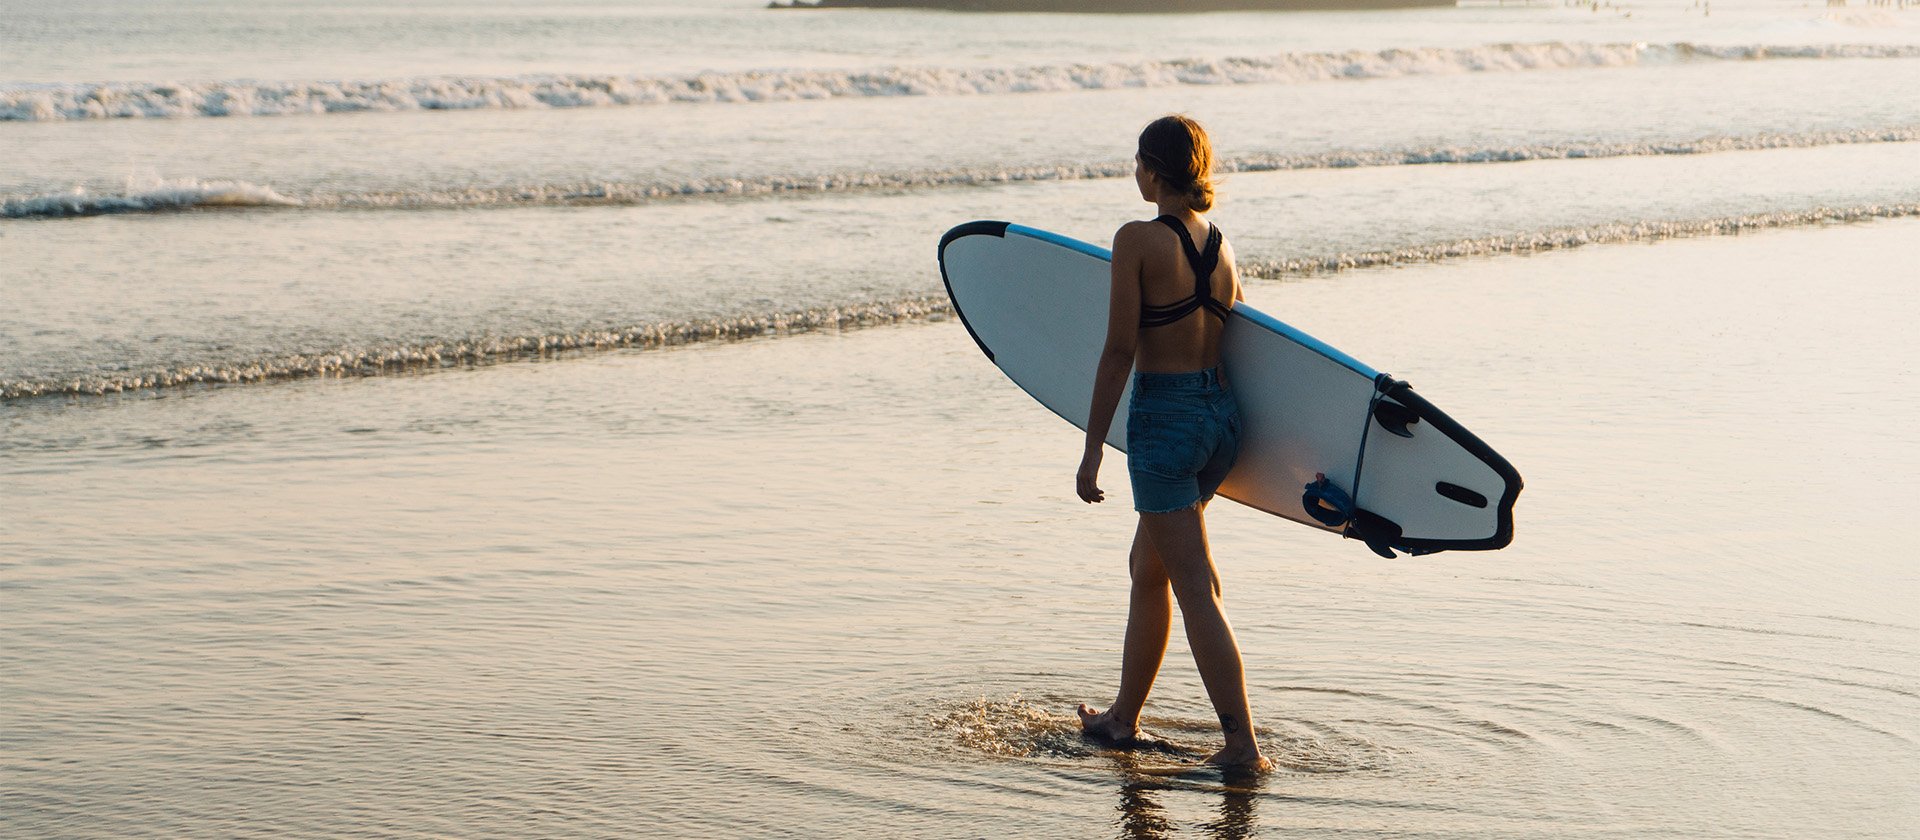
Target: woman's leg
(1149, 621)
(1180, 541)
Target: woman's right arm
(1233, 271)
(1116, 357)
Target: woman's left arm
(1116, 357)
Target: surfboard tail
(1445, 502)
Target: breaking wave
(429, 355)
(146, 197)
(160, 196)
(94, 101)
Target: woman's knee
(1195, 586)
(1144, 565)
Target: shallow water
(837, 584)
(143, 296)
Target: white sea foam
(367, 361)
(429, 355)
(146, 197)
(254, 98)
(174, 195)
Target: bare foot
(1244, 758)
(1105, 726)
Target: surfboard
(1399, 474)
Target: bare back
(1193, 342)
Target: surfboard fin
(1378, 532)
(1395, 418)
(1331, 506)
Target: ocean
(506, 419)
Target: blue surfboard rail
(1087, 248)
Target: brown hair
(1177, 151)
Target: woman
(1169, 305)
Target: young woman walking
(1170, 300)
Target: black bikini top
(1203, 264)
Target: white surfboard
(1036, 303)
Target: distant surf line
(204, 99)
(431, 355)
(193, 194)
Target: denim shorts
(1183, 431)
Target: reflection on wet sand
(1143, 818)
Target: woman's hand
(1089, 477)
